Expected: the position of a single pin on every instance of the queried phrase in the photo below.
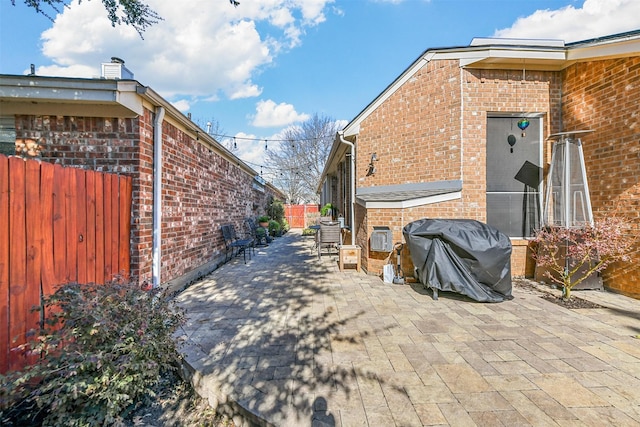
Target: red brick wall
(604, 96)
(116, 145)
(417, 134)
(201, 188)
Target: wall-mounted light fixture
(372, 168)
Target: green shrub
(263, 218)
(274, 227)
(329, 210)
(102, 347)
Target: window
(513, 178)
(7, 135)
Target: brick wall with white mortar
(604, 96)
(201, 189)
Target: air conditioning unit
(381, 240)
(115, 70)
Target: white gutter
(157, 195)
(352, 185)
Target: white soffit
(68, 96)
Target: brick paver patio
(289, 340)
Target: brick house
(434, 142)
(113, 125)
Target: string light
(266, 145)
(266, 141)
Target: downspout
(157, 195)
(352, 185)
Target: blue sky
(269, 64)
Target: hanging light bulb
(234, 143)
(266, 145)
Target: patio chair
(329, 235)
(259, 234)
(233, 244)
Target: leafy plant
(571, 255)
(102, 349)
(328, 209)
(263, 218)
(274, 227)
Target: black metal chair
(233, 244)
(259, 235)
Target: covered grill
(461, 255)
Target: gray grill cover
(461, 255)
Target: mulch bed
(572, 303)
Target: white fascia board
(352, 130)
(128, 96)
(605, 50)
(422, 201)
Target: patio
(289, 340)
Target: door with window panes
(514, 175)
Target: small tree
(573, 254)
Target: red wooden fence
(57, 225)
(296, 215)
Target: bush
(274, 228)
(102, 347)
(263, 218)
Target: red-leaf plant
(588, 249)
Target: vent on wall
(381, 239)
(116, 70)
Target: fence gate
(296, 215)
(57, 225)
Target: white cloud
(270, 114)
(77, 70)
(202, 49)
(594, 18)
(182, 105)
